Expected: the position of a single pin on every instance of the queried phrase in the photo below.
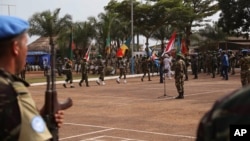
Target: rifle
(51, 104)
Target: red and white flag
(87, 54)
(170, 44)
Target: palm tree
(48, 24)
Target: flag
(178, 45)
(108, 45)
(87, 53)
(170, 44)
(184, 49)
(71, 47)
(123, 48)
(154, 56)
(148, 51)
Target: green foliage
(235, 15)
(48, 24)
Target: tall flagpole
(132, 35)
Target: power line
(8, 6)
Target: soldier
(121, 64)
(84, 70)
(233, 109)
(68, 72)
(179, 75)
(167, 65)
(232, 60)
(145, 68)
(213, 64)
(194, 65)
(225, 65)
(19, 117)
(186, 60)
(244, 63)
(101, 71)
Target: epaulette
(10, 78)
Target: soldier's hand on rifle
(59, 116)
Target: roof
(41, 44)
(36, 53)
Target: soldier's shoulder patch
(38, 124)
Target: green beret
(11, 27)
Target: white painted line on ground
(99, 138)
(90, 79)
(87, 133)
(132, 130)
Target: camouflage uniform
(232, 63)
(213, 65)
(145, 68)
(18, 111)
(69, 75)
(101, 71)
(84, 71)
(194, 65)
(122, 65)
(244, 63)
(230, 110)
(179, 76)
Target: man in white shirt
(167, 65)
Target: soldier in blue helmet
(19, 117)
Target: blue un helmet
(244, 51)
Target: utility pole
(132, 37)
(8, 6)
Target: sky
(80, 10)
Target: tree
(235, 16)
(48, 24)
(213, 34)
(199, 9)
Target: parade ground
(136, 111)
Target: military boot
(180, 96)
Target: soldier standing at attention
(84, 70)
(179, 76)
(101, 71)
(194, 65)
(121, 64)
(145, 68)
(244, 63)
(213, 64)
(20, 119)
(69, 75)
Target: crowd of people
(21, 120)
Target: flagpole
(132, 35)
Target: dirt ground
(133, 111)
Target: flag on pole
(184, 49)
(178, 45)
(170, 44)
(71, 46)
(108, 47)
(87, 53)
(123, 48)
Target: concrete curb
(91, 79)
